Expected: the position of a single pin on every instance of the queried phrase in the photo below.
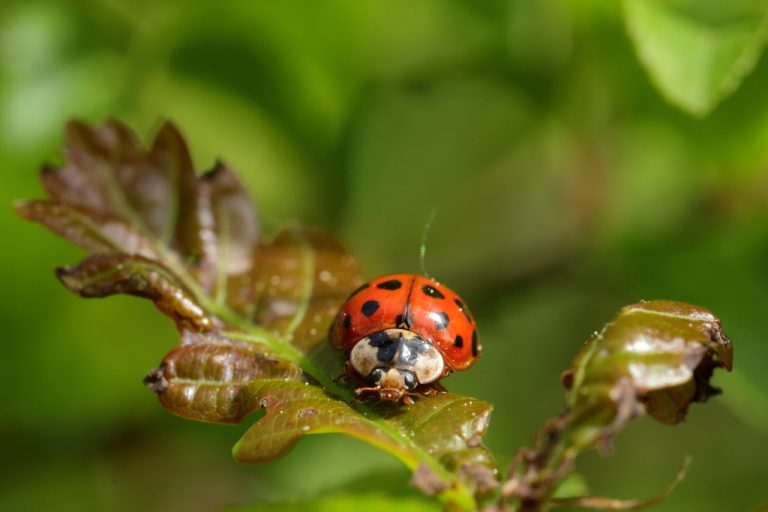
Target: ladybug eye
(377, 374)
(409, 380)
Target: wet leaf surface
(252, 313)
(102, 275)
(301, 276)
(655, 357)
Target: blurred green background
(578, 156)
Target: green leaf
(216, 379)
(697, 52)
(346, 502)
(252, 314)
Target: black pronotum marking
(378, 338)
(463, 309)
(392, 284)
(406, 350)
(474, 343)
(385, 343)
(431, 291)
(347, 321)
(440, 318)
(370, 307)
(458, 342)
(358, 290)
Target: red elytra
(411, 302)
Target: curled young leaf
(102, 275)
(655, 357)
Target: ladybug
(401, 333)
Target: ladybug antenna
(423, 246)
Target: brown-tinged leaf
(229, 237)
(113, 196)
(655, 357)
(102, 275)
(215, 379)
(95, 233)
(252, 315)
(208, 378)
(303, 278)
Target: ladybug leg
(366, 389)
(348, 376)
(343, 379)
(407, 400)
(432, 389)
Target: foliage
(550, 139)
(248, 314)
(252, 315)
(697, 52)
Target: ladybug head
(396, 362)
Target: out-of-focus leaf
(476, 146)
(571, 486)
(251, 313)
(344, 503)
(697, 52)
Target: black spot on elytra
(347, 321)
(458, 342)
(440, 318)
(392, 284)
(463, 309)
(474, 343)
(358, 290)
(431, 291)
(370, 307)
